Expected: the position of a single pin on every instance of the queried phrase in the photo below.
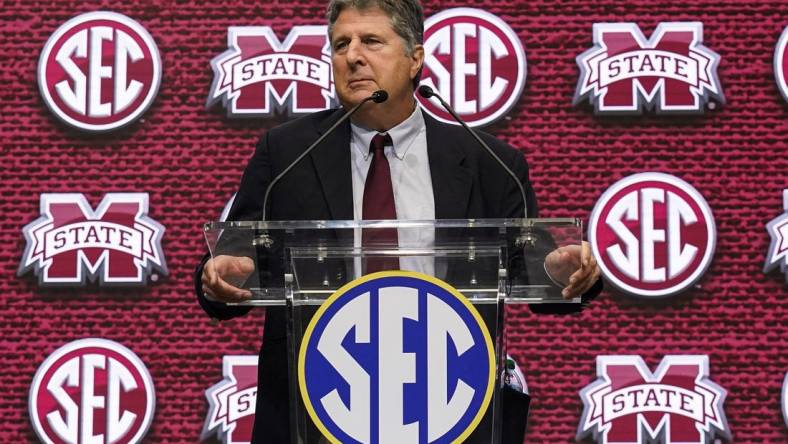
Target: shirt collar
(402, 136)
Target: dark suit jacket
(466, 182)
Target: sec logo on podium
(396, 357)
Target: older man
(376, 45)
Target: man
(436, 171)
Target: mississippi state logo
(677, 404)
(92, 391)
(99, 71)
(781, 64)
(652, 234)
(778, 250)
(476, 62)
(259, 74)
(625, 72)
(396, 357)
(70, 243)
(232, 401)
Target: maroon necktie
(379, 204)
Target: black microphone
(378, 96)
(427, 92)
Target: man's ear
(417, 58)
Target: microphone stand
(526, 238)
(264, 239)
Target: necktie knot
(378, 143)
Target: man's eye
(339, 45)
(371, 41)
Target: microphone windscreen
(380, 96)
(426, 92)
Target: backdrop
(189, 159)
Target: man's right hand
(218, 274)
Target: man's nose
(355, 53)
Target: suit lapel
(451, 179)
(331, 160)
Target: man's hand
(220, 271)
(573, 266)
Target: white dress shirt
(410, 180)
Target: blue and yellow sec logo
(396, 357)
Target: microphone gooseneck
(427, 92)
(378, 96)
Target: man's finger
(245, 266)
(574, 290)
(580, 274)
(229, 293)
(210, 273)
(571, 290)
(589, 281)
(592, 263)
(580, 282)
(585, 254)
(225, 289)
(587, 284)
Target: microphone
(378, 96)
(427, 92)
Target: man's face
(369, 55)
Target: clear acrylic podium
(492, 262)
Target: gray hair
(407, 17)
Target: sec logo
(476, 62)
(396, 357)
(92, 391)
(99, 71)
(652, 234)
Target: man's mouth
(358, 82)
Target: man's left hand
(573, 266)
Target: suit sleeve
(246, 206)
(512, 206)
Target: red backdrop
(189, 160)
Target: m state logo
(232, 401)
(71, 244)
(778, 250)
(781, 64)
(258, 74)
(652, 234)
(677, 404)
(92, 391)
(476, 62)
(625, 72)
(99, 71)
(396, 357)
